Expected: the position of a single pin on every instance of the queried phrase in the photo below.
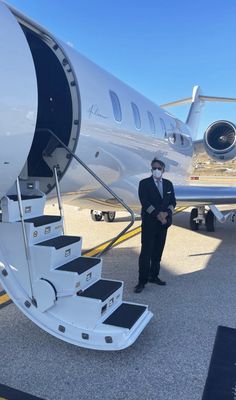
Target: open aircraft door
(19, 99)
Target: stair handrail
(26, 246)
(59, 199)
(91, 172)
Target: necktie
(159, 186)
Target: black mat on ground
(12, 394)
(221, 379)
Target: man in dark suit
(158, 202)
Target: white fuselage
(117, 141)
(118, 152)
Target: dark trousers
(153, 239)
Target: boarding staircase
(58, 288)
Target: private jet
(72, 131)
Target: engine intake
(220, 140)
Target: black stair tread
(126, 315)
(23, 197)
(101, 289)
(79, 265)
(44, 220)
(60, 241)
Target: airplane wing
(205, 195)
(186, 195)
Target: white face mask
(157, 173)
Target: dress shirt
(159, 185)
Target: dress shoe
(138, 288)
(157, 281)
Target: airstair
(53, 284)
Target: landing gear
(109, 216)
(210, 221)
(199, 216)
(193, 224)
(96, 215)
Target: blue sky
(161, 48)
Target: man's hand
(162, 217)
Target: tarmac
(170, 359)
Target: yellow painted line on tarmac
(180, 209)
(126, 236)
(5, 299)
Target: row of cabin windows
(137, 120)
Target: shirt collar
(157, 180)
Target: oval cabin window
(137, 120)
(151, 122)
(116, 106)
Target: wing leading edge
(205, 195)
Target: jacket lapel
(164, 187)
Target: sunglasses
(154, 168)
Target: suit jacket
(153, 203)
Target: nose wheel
(96, 215)
(109, 216)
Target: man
(158, 202)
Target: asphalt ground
(171, 357)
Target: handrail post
(59, 198)
(27, 252)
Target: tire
(95, 217)
(210, 221)
(193, 224)
(109, 216)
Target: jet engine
(220, 140)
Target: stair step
(14, 197)
(101, 290)
(55, 252)
(79, 265)
(60, 241)
(126, 315)
(77, 274)
(44, 220)
(33, 206)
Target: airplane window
(136, 115)
(151, 122)
(172, 138)
(116, 106)
(163, 127)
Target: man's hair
(162, 164)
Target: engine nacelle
(220, 140)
